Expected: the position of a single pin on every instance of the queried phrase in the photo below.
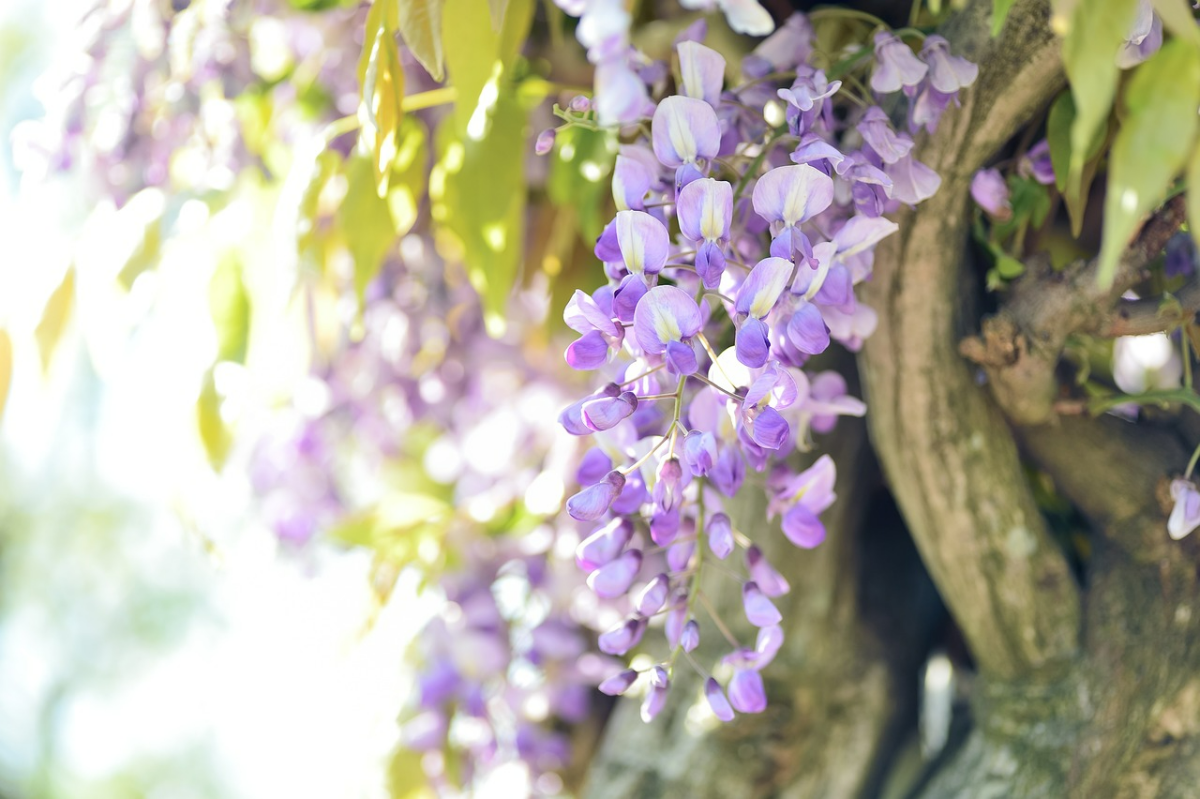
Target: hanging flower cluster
(747, 215)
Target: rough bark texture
(1086, 687)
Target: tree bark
(1088, 685)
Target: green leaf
(1177, 18)
(312, 237)
(214, 434)
(408, 175)
(6, 368)
(579, 175)
(1058, 135)
(366, 221)
(1097, 30)
(1009, 267)
(382, 81)
(229, 305)
(478, 188)
(477, 57)
(497, 8)
(1151, 147)
(406, 776)
(54, 319)
(1000, 9)
(1193, 194)
(420, 23)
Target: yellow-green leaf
(229, 305)
(54, 317)
(406, 776)
(1058, 135)
(316, 205)
(497, 8)
(382, 81)
(579, 175)
(1097, 30)
(477, 58)
(1177, 18)
(214, 434)
(1152, 145)
(1000, 9)
(478, 188)
(6, 368)
(366, 223)
(1193, 194)
(408, 175)
(420, 24)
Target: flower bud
(769, 581)
(580, 104)
(720, 535)
(679, 555)
(700, 451)
(759, 610)
(690, 638)
(656, 698)
(592, 502)
(717, 701)
(603, 545)
(746, 692)
(622, 638)
(607, 412)
(652, 597)
(613, 579)
(545, 141)
(619, 683)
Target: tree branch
(946, 449)
(1151, 315)
(1019, 347)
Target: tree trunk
(1088, 683)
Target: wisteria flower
(990, 191)
(788, 196)
(896, 67)
(877, 132)
(705, 212)
(664, 324)
(802, 498)
(1185, 516)
(684, 131)
(702, 72)
(947, 73)
(756, 298)
(1144, 39)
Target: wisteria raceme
(731, 262)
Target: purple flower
(806, 98)
(876, 130)
(720, 535)
(590, 351)
(632, 178)
(786, 48)
(606, 412)
(1037, 164)
(806, 330)
(763, 286)
(769, 581)
(928, 108)
(759, 610)
(664, 323)
(1185, 516)
(656, 698)
(652, 597)
(643, 241)
(592, 502)
(702, 72)
(729, 472)
(827, 400)
(680, 555)
(717, 701)
(896, 67)
(820, 154)
(676, 621)
(700, 451)
(1144, 39)
(571, 417)
(620, 93)
(947, 73)
(912, 181)
(622, 638)
(593, 466)
(792, 194)
(545, 141)
(746, 692)
(619, 683)
(705, 210)
(614, 578)
(603, 545)
(689, 639)
(802, 498)
(684, 130)
(991, 193)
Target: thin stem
(756, 163)
(712, 612)
(1184, 396)
(649, 397)
(720, 296)
(647, 373)
(846, 13)
(640, 461)
(1192, 464)
(428, 99)
(723, 390)
(712, 354)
